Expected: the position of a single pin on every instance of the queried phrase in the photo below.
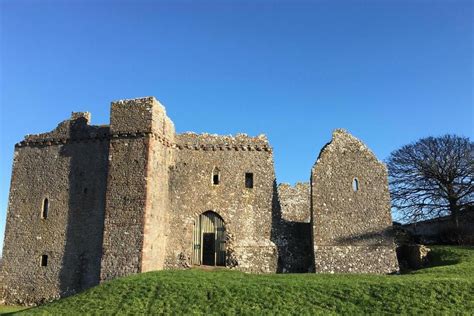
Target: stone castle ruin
(92, 203)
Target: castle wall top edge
(194, 139)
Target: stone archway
(209, 246)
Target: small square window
(249, 180)
(44, 260)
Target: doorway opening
(209, 240)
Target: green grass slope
(447, 287)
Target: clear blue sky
(388, 71)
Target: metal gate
(209, 227)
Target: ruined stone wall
(162, 152)
(351, 229)
(291, 230)
(137, 199)
(68, 166)
(124, 199)
(247, 213)
(295, 202)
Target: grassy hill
(447, 287)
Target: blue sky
(388, 71)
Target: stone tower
(92, 203)
(350, 205)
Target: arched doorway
(209, 240)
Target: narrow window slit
(44, 260)
(249, 180)
(215, 176)
(355, 185)
(44, 211)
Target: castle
(92, 203)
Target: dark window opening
(249, 180)
(44, 212)
(355, 185)
(44, 260)
(215, 176)
(85, 190)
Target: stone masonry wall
(156, 219)
(68, 166)
(351, 229)
(291, 230)
(124, 199)
(295, 202)
(136, 201)
(246, 212)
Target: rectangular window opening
(44, 260)
(249, 180)
(215, 179)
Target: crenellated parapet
(90, 203)
(212, 142)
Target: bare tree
(432, 177)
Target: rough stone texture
(292, 229)
(246, 212)
(137, 188)
(295, 202)
(69, 167)
(125, 198)
(351, 229)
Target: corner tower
(137, 200)
(350, 204)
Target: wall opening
(249, 180)
(44, 260)
(44, 210)
(209, 245)
(355, 185)
(215, 176)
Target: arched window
(216, 177)
(355, 185)
(44, 211)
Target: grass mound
(446, 287)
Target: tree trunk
(454, 209)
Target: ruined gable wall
(246, 212)
(68, 166)
(351, 229)
(291, 230)
(136, 199)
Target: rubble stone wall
(246, 211)
(351, 226)
(67, 166)
(124, 199)
(291, 230)
(157, 212)
(137, 193)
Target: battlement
(214, 142)
(91, 203)
(75, 129)
(140, 115)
